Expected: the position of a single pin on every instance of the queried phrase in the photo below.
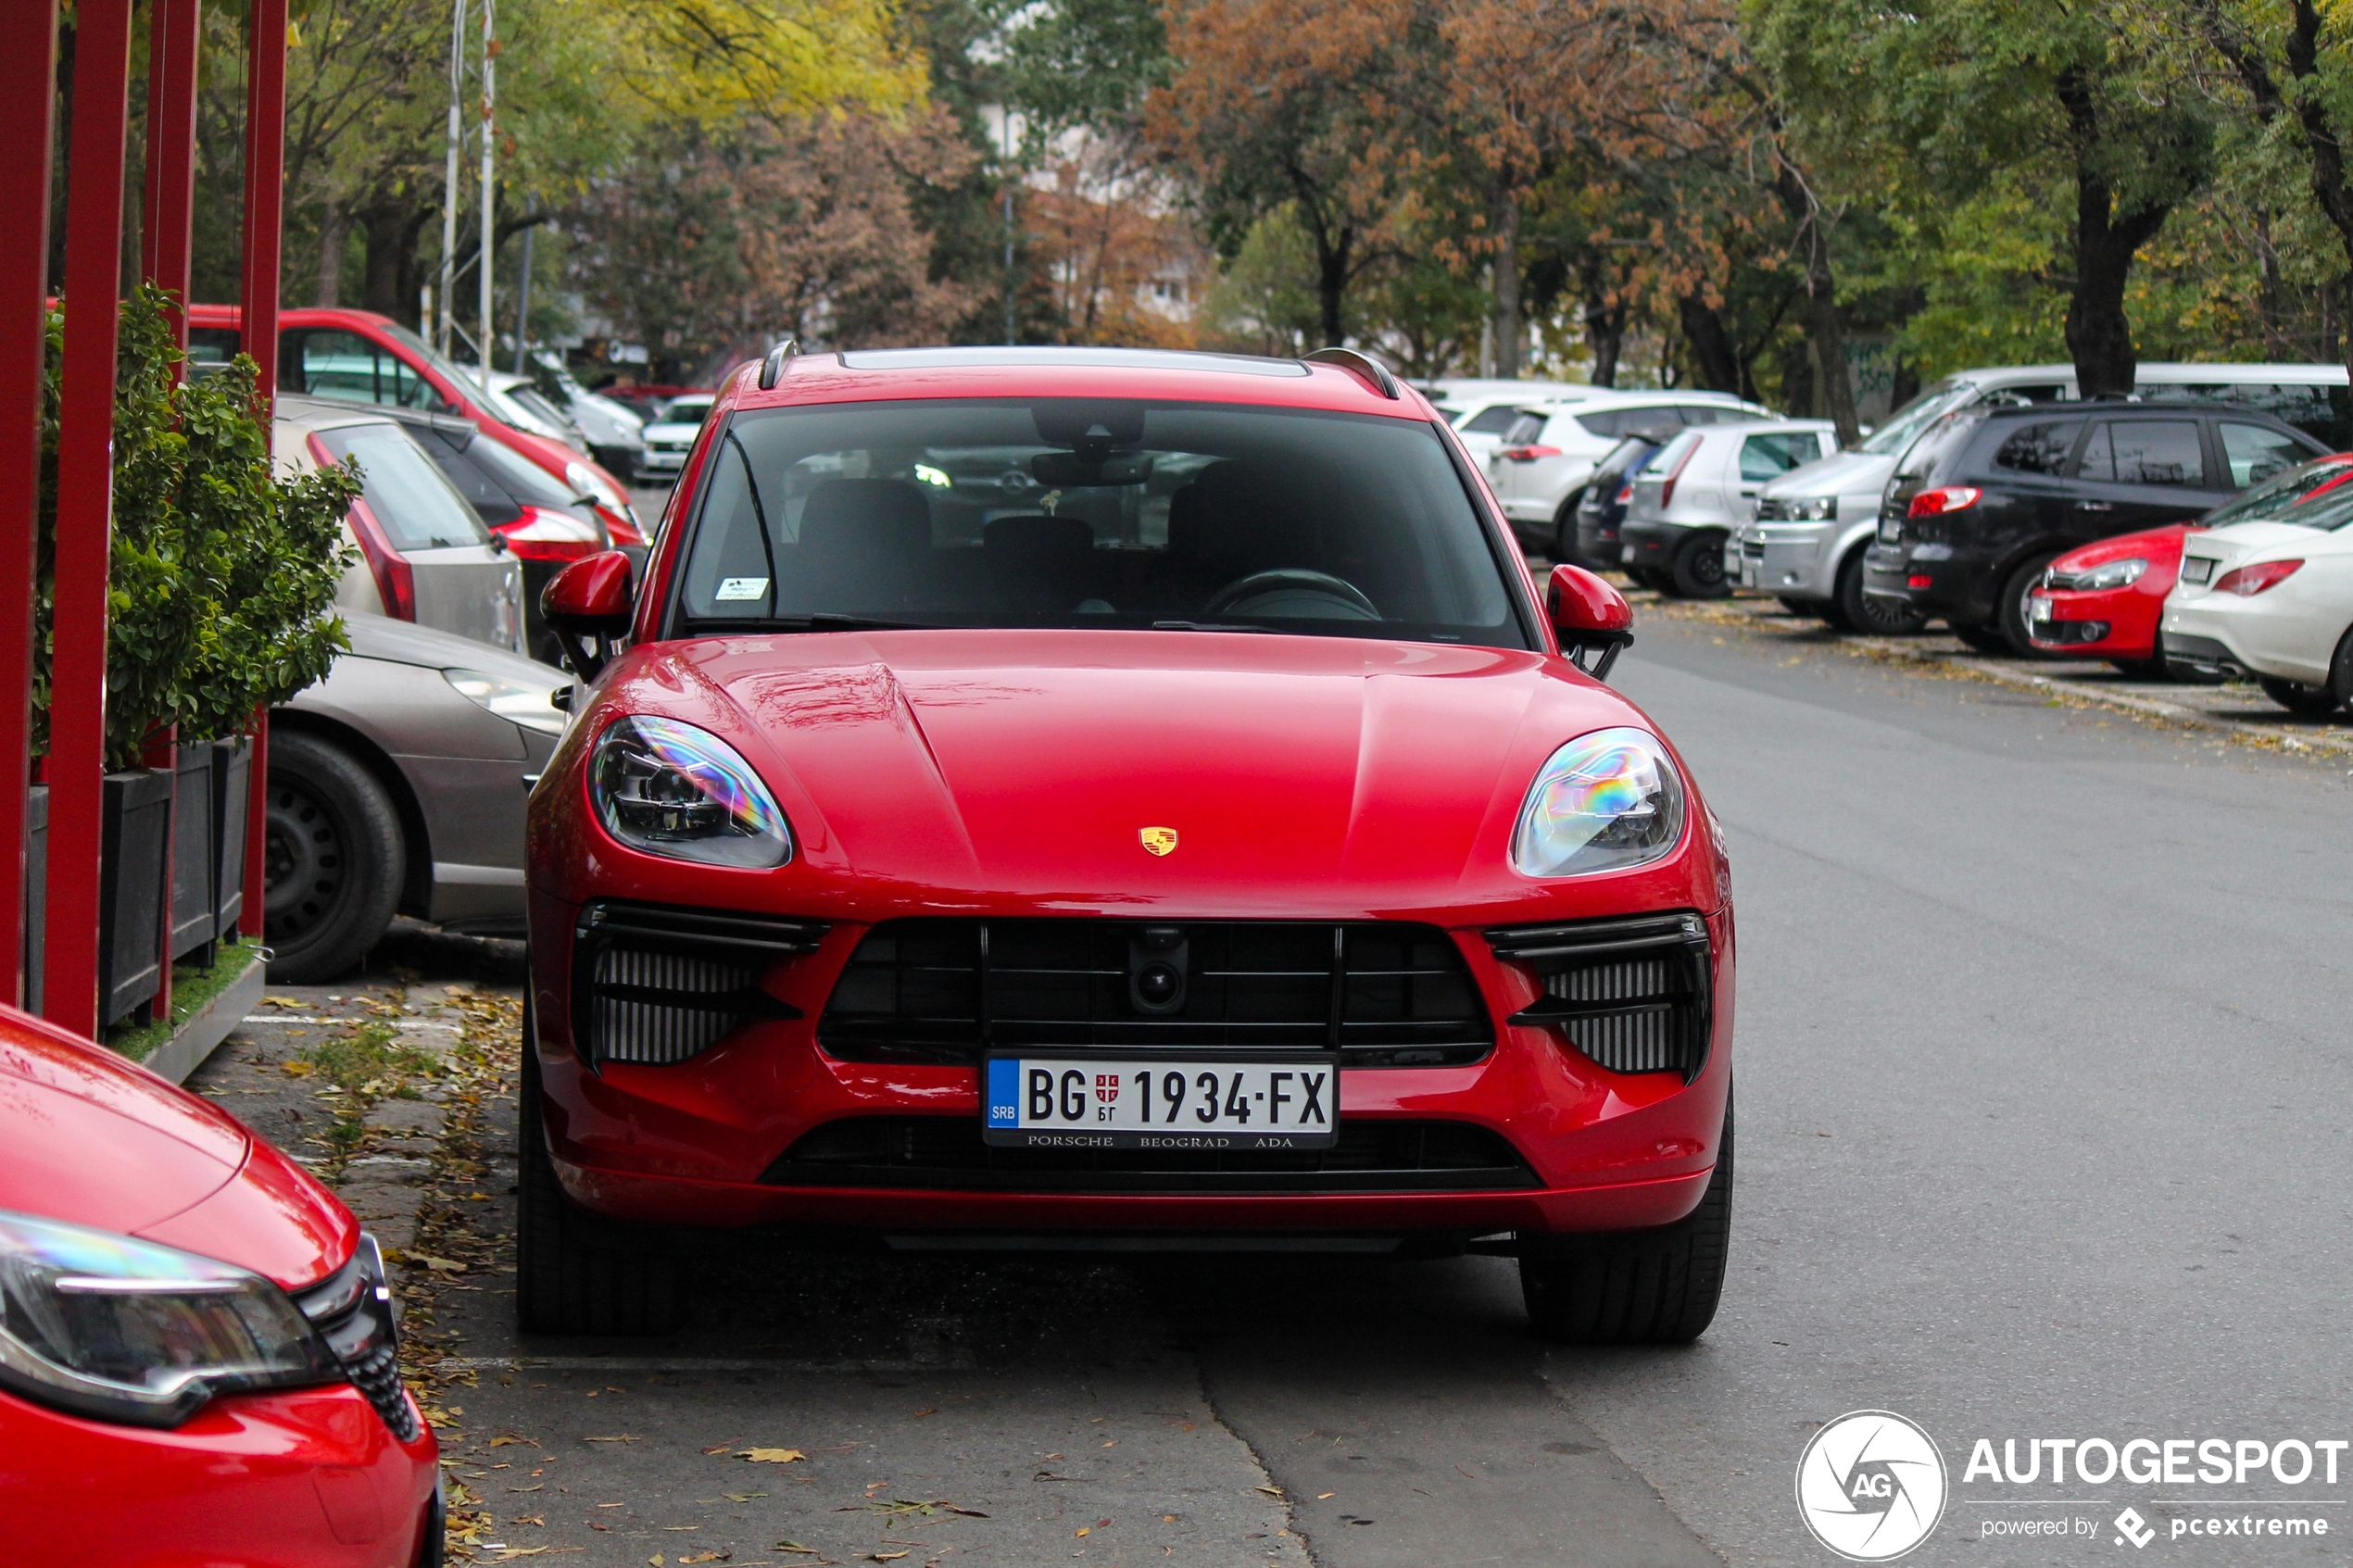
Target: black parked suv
(1985, 499)
(1601, 511)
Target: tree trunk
(1714, 364)
(1331, 283)
(1825, 335)
(335, 231)
(2099, 335)
(384, 227)
(1507, 308)
(1604, 323)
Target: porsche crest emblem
(1159, 841)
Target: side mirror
(1592, 620)
(588, 606)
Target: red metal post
(28, 80)
(166, 239)
(85, 509)
(258, 316)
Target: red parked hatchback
(197, 1358)
(1116, 798)
(359, 357)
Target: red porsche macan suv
(1077, 796)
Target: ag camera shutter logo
(1870, 1485)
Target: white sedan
(2275, 600)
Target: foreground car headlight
(671, 789)
(2108, 575)
(1605, 802)
(520, 702)
(125, 1330)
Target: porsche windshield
(1091, 513)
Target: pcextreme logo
(1870, 1485)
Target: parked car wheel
(578, 1272)
(1698, 569)
(1872, 616)
(2010, 617)
(2310, 702)
(334, 860)
(2341, 670)
(1564, 534)
(1650, 1287)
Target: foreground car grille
(658, 984)
(352, 1311)
(1633, 994)
(1379, 994)
(949, 1152)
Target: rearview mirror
(1592, 620)
(588, 606)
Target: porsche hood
(1110, 770)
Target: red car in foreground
(196, 1344)
(2104, 600)
(359, 357)
(1108, 798)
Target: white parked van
(1806, 542)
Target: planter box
(196, 854)
(134, 878)
(231, 787)
(36, 892)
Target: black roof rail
(1363, 367)
(774, 366)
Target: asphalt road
(2041, 1051)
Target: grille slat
(938, 990)
(1632, 993)
(659, 985)
(1371, 1155)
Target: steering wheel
(1293, 592)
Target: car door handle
(2094, 506)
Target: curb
(202, 1033)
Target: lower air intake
(1633, 994)
(659, 985)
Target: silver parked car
(1698, 488)
(397, 787)
(424, 556)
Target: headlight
(124, 1330)
(520, 702)
(2108, 575)
(1605, 802)
(1813, 508)
(671, 789)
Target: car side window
(2041, 447)
(1773, 455)
(2145, 452)
(1523, 429)
(327, 362)
(2255, 454)
(1492, 422)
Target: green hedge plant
(222, 573)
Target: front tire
(2010, 613)
(575, 1272)
(1698, 569)
(2306, 702)
(334, 860)
(1564, 534)
(1648, 1287)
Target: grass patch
(192, 990)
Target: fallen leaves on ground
(907, 1507)
(624, 1437)
(772, 1456)
(1270, 1491)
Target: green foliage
(220, 575)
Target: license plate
(2196, 569)
(1073, 1102)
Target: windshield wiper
(1206, 626)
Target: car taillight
(542, 534)
(1529, 454)
(2248, 580)
(396, 584)
(1626, 494)
(1666, 491)
(1943, 498)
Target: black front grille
(937, 990)
(352, 1309)
(1633, 994)
(949, 1152)
(658, 984)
